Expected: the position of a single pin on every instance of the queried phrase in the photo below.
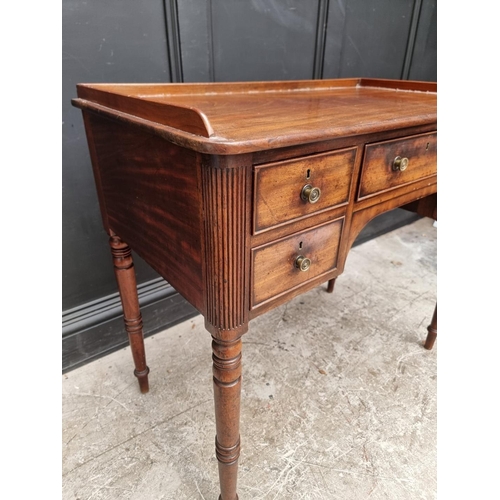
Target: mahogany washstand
(244, 195)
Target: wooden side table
(244, 195)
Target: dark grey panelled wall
(197, 41)
(111, 41)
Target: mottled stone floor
(338, 401)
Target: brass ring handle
(310, 194)
(400, 164)
(303, 263)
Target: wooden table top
(232, 118)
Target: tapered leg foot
(331, 284)
(227, 390)
(432, 331)
(127, 286)
(142, 377)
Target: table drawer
(278, 187)
(391, 164)
(275, 265)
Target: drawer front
(275, 265)
(381, 172)
(278, 187)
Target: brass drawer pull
(310, 194)
(303, 263)
(400, 164)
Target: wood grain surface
(150, 190)
(278, 187)
(377, 172)
(273, 265)
(236, 118)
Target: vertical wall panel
(173, 40)
(367, 38)
(111, 41)
(423, 62)
(263, 39)
(196, 43)
(278, 39)
(334, 38)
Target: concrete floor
(338, 399)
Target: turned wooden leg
(432, 331)
(331, 284)
(127, 286)
(227, 389)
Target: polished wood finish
(362, 216)
(127, 286)
(224, 185)
(278, 187)
(426, 207)
(248, 117)
(204, 181)
(149, 189)
(274, 268)
(377, 172)
(227, 391)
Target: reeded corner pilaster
(226, 192)
(226, 202)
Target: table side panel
(151, 190)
